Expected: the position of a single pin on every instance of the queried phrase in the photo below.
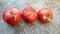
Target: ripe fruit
(12, 16)
(29, 14)
(45, 15)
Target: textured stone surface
(37, 27)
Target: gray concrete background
(37, 27)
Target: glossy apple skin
(9, 16)
(43, 12)
(29, 18)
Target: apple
(29, 14)
(45, 15)
(11, 16)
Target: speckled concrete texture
(37, 27)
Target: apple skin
(11, 16)
(45, 15)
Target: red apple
(45, 15)
(29, 14)
(12, 16)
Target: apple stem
(14, 17)
(49, 20)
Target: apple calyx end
(29, 12)
(10, 12)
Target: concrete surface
(37, 27)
